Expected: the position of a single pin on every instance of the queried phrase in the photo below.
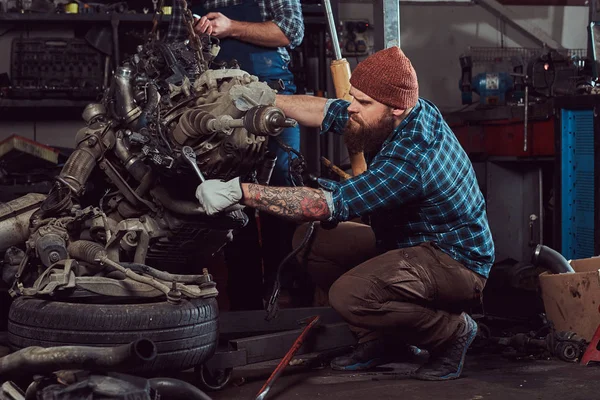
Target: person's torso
(451, 209)
(268, 64)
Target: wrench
(190, 156)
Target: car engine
(122, 219)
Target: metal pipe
(14, 219)
(142, 248)
(541, 205)
(526, 118)
(332, 30)
(176, 389)
(167, 277)
(551, 260)
(77, 169)
(41, 360)
(126, 108)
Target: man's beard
(362, 137)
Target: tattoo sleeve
(297, 204)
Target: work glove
(216, 195)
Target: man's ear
(398, 112)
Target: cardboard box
(572, 301)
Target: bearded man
(407, 277)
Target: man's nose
(352, 109)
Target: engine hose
(40, 360)
(153, 99)
(552, 260)
(272, 304)
(165, 276)
(77, 170)
(94, 253)
(176, 389)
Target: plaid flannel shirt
(286, 14)
(420, 187)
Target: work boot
(365, 355)
(448, 363)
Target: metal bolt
(92, 141)
(143, 219)
(54, 256)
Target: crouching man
(408, 277)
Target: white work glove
(216, 196)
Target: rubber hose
(175, 389)
(552, 260)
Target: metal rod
(332, 30)
(262, 393)
(40, 360)
(526, 116)
(541, 197)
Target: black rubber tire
(185, 334)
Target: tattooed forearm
(298, 204)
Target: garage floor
(485, 377)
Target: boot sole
(360, 366)
(453, 375)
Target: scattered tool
(340, 72)
(262, 393)
(190, 156)
(343, 174)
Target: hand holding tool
(340, 172)
(340, 72)
(190, 157)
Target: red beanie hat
(388, 77)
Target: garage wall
(432, 36)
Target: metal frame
(386, 15)
(247, 338)
(387, 20)
(511, 17)
(567, 247)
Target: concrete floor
(488, 377)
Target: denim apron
(269, 65)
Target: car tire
(185, 334)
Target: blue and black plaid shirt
(420, 187)
(286, 14)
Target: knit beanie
(388, 77)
